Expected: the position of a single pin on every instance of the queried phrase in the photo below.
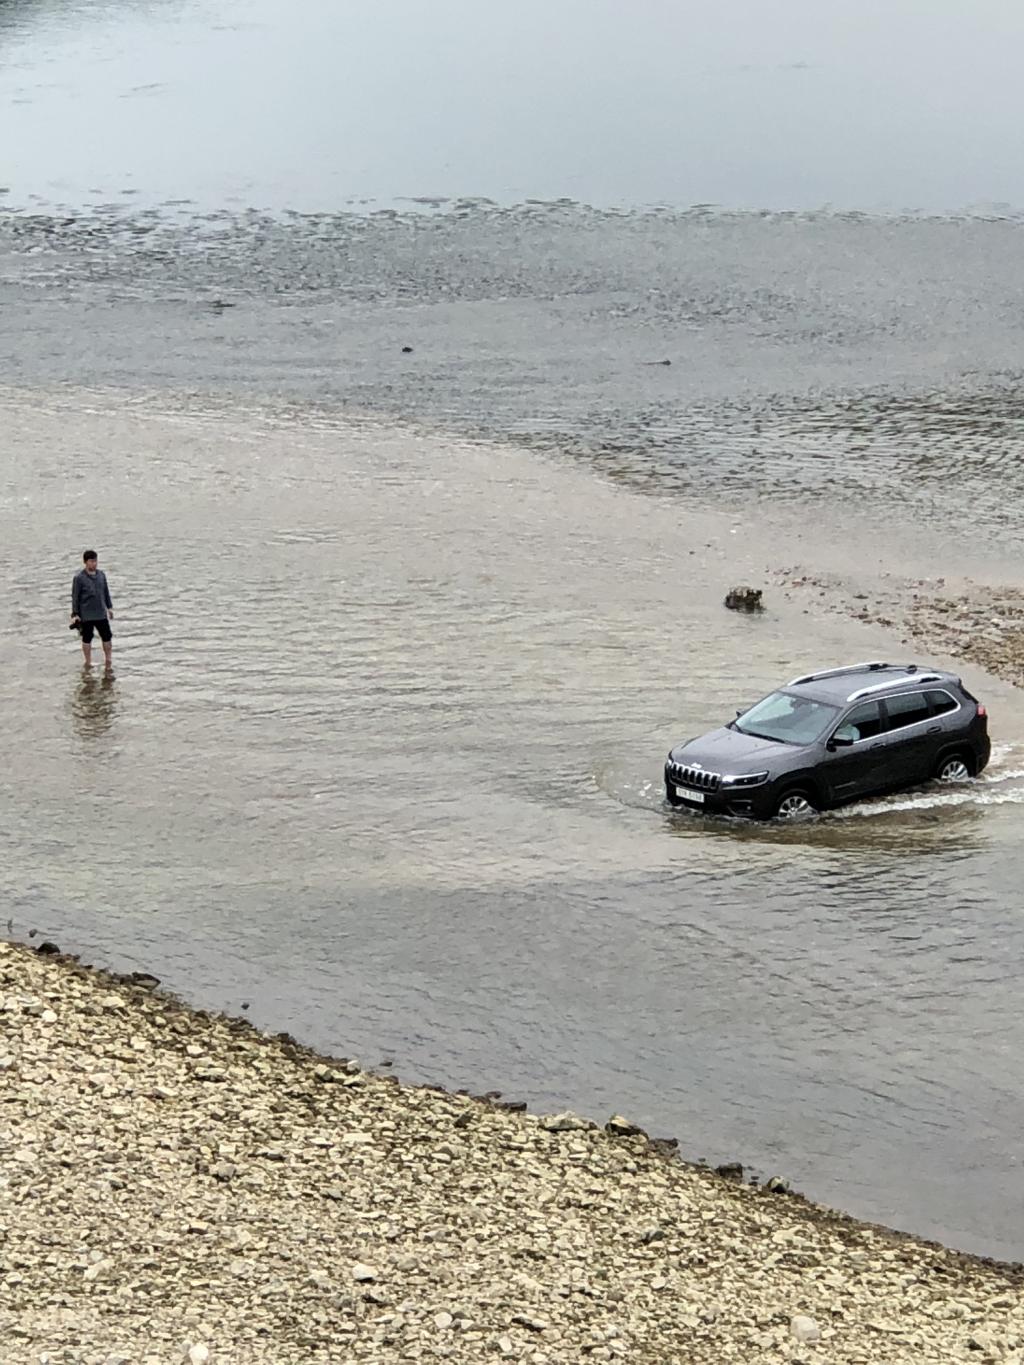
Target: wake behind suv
(831, 737)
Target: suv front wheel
(796, 804)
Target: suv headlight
(746, 780)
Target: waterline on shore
(195, 1183)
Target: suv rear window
(940, 702)
(907, 709)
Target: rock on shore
(178, 1189)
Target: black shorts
(87, 628)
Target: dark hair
(89, 554)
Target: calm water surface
(403, 636)
(320, 105)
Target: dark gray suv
(830, 737)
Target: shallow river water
(402, 637)
(381, 758)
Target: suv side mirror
(838, 742)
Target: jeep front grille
(695, 777)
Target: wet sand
(180, 1187)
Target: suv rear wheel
(954, 768)
(796, 804)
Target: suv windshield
(787, 718)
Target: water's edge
(145, 986)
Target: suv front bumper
(751, 803)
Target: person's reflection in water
(94, 703)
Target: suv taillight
(981, 709)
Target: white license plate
(688, 795)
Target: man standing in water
(91, 607)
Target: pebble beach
(178, 1187)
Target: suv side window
(940, 702)
(863, 722)
(907, 709)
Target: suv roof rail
(870, 666)
(895, 682)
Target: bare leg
(108, 651)
(87, 654)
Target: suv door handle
(934, 730)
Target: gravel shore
(980, 623)
(177, 1187)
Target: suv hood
(731, 751)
